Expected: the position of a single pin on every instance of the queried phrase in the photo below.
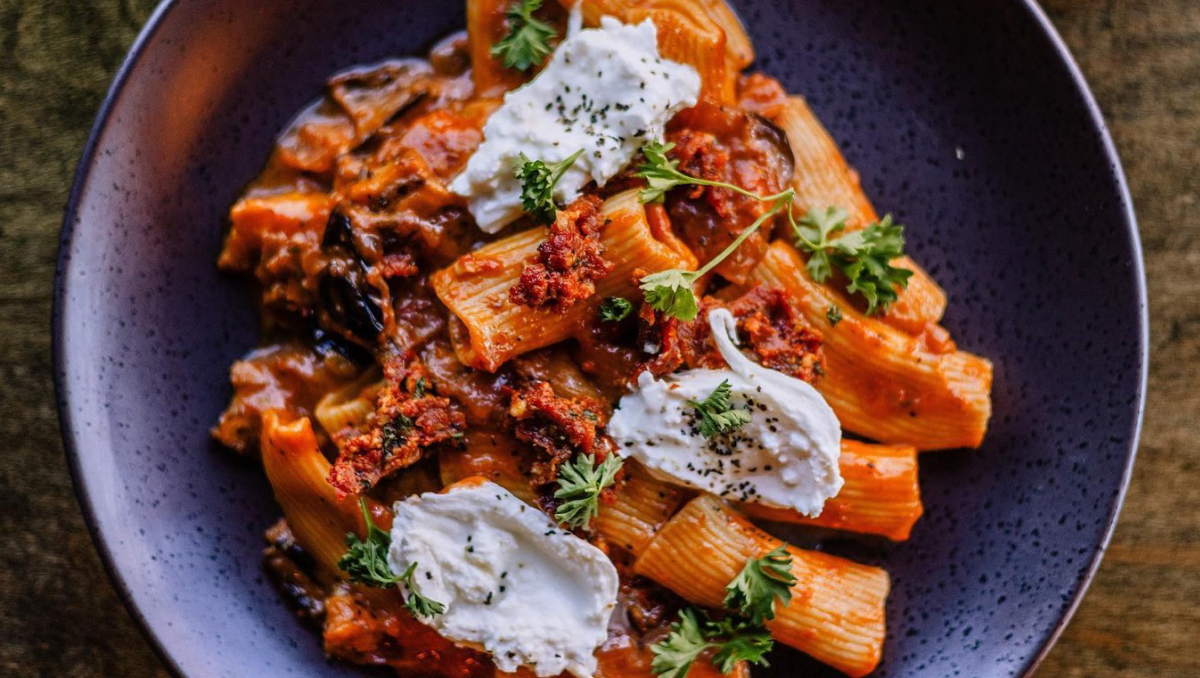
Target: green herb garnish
(670, 291)
(537, 185)
(716, 414)
(528, 41)
(580, 483)
(734, 640)
(864, 256)
(763, 580)
(615, 309)
(366, 563)
(834, 315)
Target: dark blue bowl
(967, 120)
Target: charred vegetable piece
(337, 232)
(347, 305)
(326, 344)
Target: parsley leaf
(734, 639)
(834, 315)
(417, 604)
(716, 414)
(527, 43)
(674, 656)
(670, 291)
(615, 309)
(761, 581)
(864, 257)
(742, 641)
(537, 185)
(366, 563)
(660, 172)
(580, 483)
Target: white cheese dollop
(605, 90)
(786, 456)
(513, 583)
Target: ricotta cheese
(786, 456)
(604, 90)
(513, 583)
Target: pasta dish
(563, 325)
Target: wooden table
(60, 617)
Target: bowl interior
(966, 121)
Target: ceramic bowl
(967, 120)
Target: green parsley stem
(737, 189)
(562, 167)
(746, 232)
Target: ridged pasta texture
(823, 179)
(641, 507)
(348, 407)
(881, 495)
(738, 49)
(837, 609)
(883, 383)
(475, 287)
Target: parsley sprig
(864, 257)
(615, 309)
(670, 291)
(580, 482)
(528, 41)
(763, 580)
(419, 605)
(716, 414)
(733, 639)
(537, 185)
(736, 637)
(662, 174)
(366, 563)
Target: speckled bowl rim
(87, 501)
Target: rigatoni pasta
(836, 613)
(476, 287)
(641, 506)
(885, 384)
(881, 495)
(824, 180)
(297, 471)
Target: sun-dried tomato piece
(568, 263)
(770, 328)
(558, 427)
(408, 420)
(771, 325)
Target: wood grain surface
(59, 615)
